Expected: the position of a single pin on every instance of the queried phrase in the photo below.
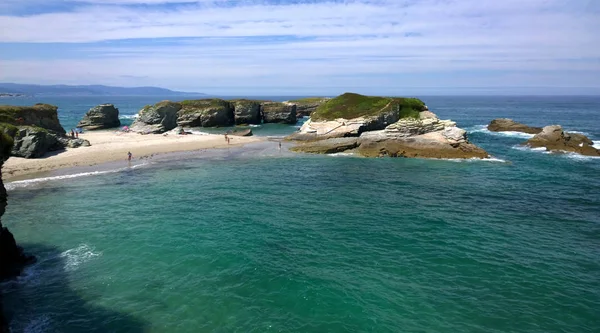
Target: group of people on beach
(75, 133)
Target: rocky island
(35, 130)
(382, 126)
(102, 116)
(552, 137)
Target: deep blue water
(256, 240)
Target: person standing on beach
(279, 145)
(226, 138)
(77, 135)
(129, 156)
(72, 134)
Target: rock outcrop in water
(275, 112)
(554, 139)
(509, 125)
(35, 130)
(12, 257)
(382, 126)
(157, 118)
(101, 117)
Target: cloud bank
(287, 47)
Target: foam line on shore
(28, 182)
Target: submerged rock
(244, 132)
(275, 112)
(205, 113)
(246, 112)
(509, 125)
(327, 146)
(100, 117)
(554, 139)
(157, 118)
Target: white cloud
(334, 42)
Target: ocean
(255, 239)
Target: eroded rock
(101, 117)
(554, 139)
(509, 125)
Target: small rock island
(102, 116)
(552, 137)
(382, 126)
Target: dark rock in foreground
(34, 142)
(509, 125)
(100, 117)
(554, 139)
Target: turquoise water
(258, 240)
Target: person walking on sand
(129, 156)
(226, 138)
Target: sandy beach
(110, 146)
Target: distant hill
(91, 90)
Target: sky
(306, 47)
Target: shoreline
(112, 146)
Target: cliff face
(12, 258)
(40, 115)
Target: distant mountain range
(91, 90)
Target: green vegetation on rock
(350, 105)
(309, 100)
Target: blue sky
(304, 47)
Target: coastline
(111, 146)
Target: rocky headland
(211, 112)
(12, 257)
(35, 130)
(102, 116)
(552, 137)
(382, 126)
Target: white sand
(109, 146)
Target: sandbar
(111, 146)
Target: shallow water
(257, 240)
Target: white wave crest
(128, 116)
(562, 153)
(252, 125)
(79, 255)
(38, 324)
(596, 144)
(196, 132)
(29, 182)
(342, 154)
(473, 159)
(527, 148)
(483, 129)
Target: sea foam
(77, 256)
(29, 182)
(483, 129)
(128, 116)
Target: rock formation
(35, 130)
(380, 126)
(246, 112)
(243, 132)
(205, 113)
(554, 139)
(274, 112)
(306, 106)
(12, 257)
(509, 125)
(100, 117)
(157, 118)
